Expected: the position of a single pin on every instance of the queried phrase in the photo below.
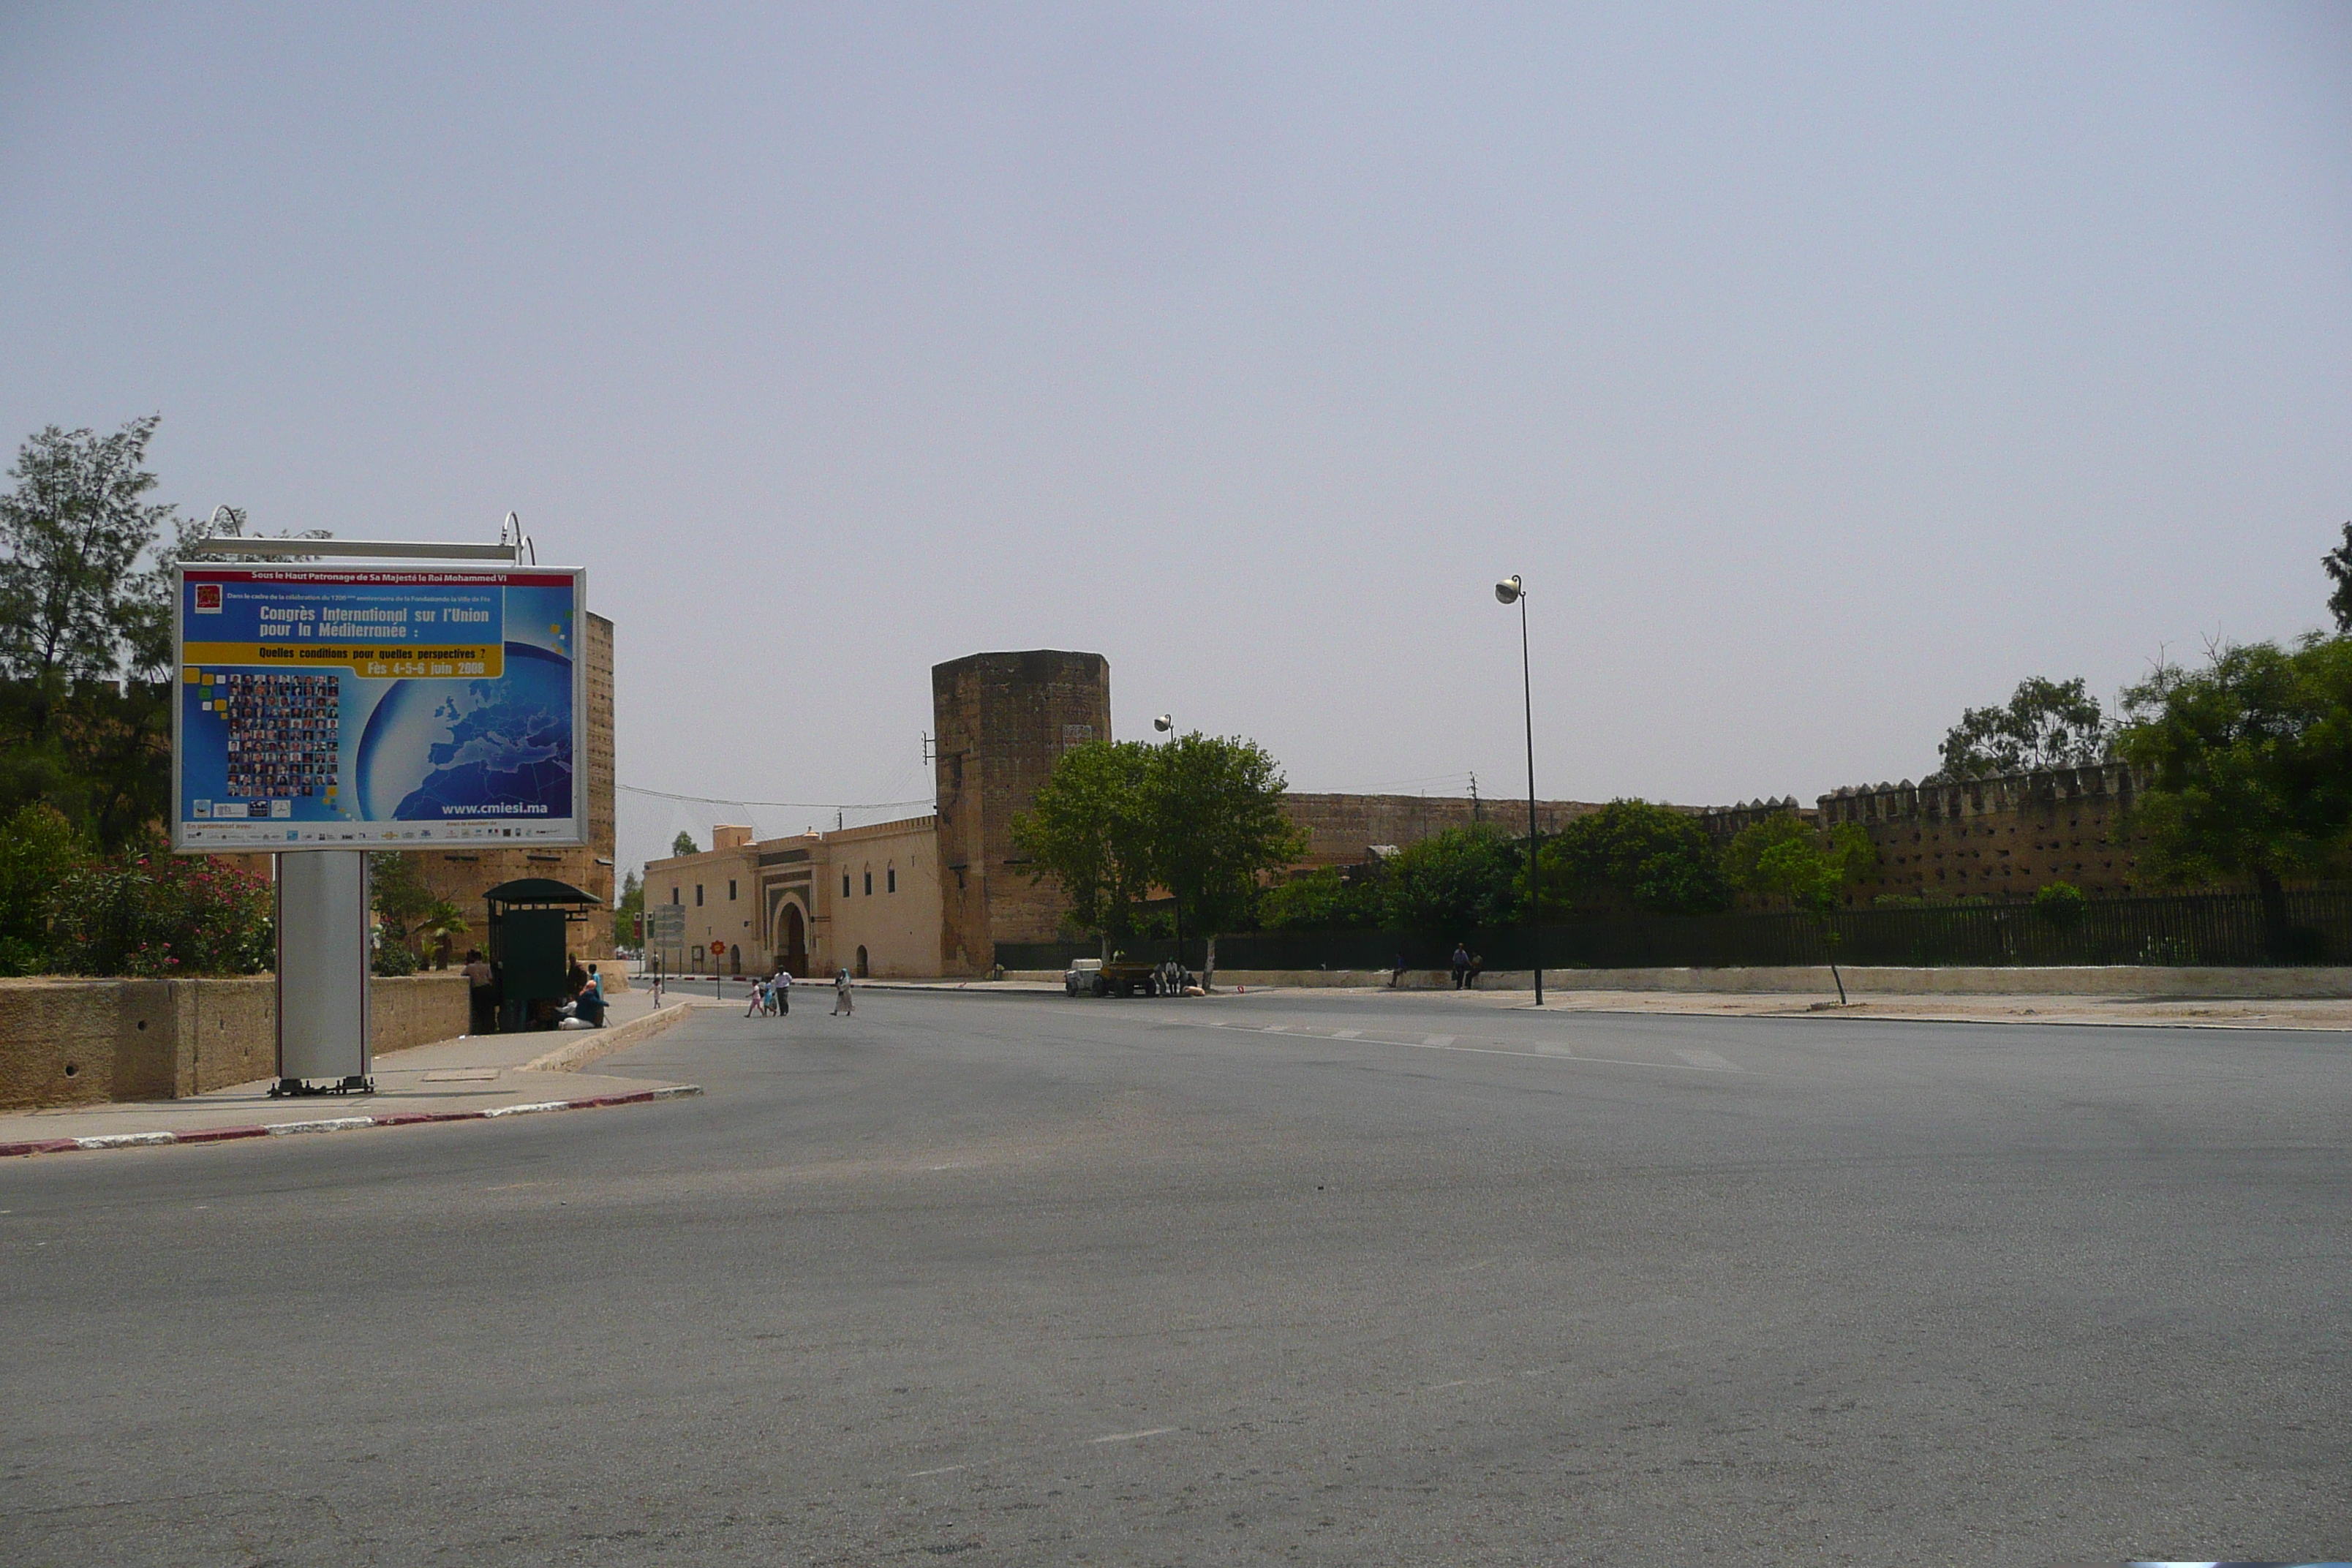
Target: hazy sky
(1825, 370)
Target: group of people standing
(583, 998)
(773, 997)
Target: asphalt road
(1047, 1281)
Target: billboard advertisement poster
(340, 707)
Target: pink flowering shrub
(155, 914)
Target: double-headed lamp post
(1511, 591)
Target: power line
(780, 805)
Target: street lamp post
(1166, 725)
(1511, 591)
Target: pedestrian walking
(759, 1007)
(843, 1004)
(1461, 965)
(1396, 972)
(1477, 967)
(780, 992)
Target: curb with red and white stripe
(337, 1123)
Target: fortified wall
(1994, 837)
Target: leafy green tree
(1320, 900)
(1810, 870)
(1813, 870)
(402, 901)
(1455, 882)
(1089, 830)
(2338, 563)
(684, 844)
(38, 847)
(626, 914)
(440, 926)
(2045, 725)
(1632, 855)
(72, 733)
(71, 533)
(1216, 829)
(1748, 847)
(2250, 769)
(86, 655)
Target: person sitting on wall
(589, 1006)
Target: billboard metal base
(289, 1087)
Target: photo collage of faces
(284, 733)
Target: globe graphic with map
(483, 750)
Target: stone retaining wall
(69, 1041)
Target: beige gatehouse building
(924, 896)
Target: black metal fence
(2219, 929)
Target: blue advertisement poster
(339, 708)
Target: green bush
(393, 954)
(1632, 855)
(156, 914)
(38, 846)
(1454, 882)
(1320, 900)
(2063, 904)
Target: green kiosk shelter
(529, 918)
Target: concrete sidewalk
(477, 1076)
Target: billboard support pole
(323, 1012)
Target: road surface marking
(1274, 1028)
(1707, 1059)
(1440, 1041)
(1131, 1436)
(1556, 1053)
(943, 1471)
(1347, 1034)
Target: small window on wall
(890, 879)
(730, 889)
(845, 884)
(673, 895)
(869, 884)
(697, 895)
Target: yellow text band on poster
(375, 662)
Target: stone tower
(1001, 721)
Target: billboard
(340, 708)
